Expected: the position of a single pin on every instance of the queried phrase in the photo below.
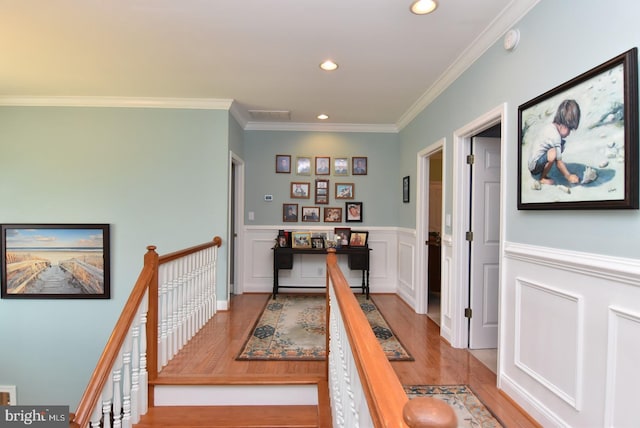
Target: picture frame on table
(578, 142)
(342, 235)
(317, 242)
(353, 211)
(290, 212)
(359, 165)
(358, 238)
(55, 261)
(300, 239)
(283, 164)
(300, 190)
(345, 190)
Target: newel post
(151, 262)
(429, 412)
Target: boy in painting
(551, 145)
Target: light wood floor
(209, 357)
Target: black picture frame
(600, 156)
(358, 238)
(290, 213)
(405, 189)
(353, 212)
(55, 261)
(359, 165)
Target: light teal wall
(236, 137)
(559, 40)
(155, 175)
(380, 190)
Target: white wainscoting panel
(406, 259)
(446, 298)
(623, 372)
(569, 329)
(559, 329)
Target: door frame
(237, 213)
(422, 221)
(460, 209)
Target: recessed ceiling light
(323, 116)
(328, 65)
(423, 7)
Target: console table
(358, 259)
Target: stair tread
(230, 416)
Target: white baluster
(96, 416)
(163, 318)
(143, 376)
(135, 369)
(117, 391)
(126, 382)
(107, 399)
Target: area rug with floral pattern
(292, 327)
(469, 409)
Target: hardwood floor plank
(211, 356)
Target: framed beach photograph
(300, 239)
(290, 212)
(354, 211)
(332, 215)
(405, 189)
(303, 165)
(359, 165)
(358, 238)
(300, 190)
(342, 235)
(283, 164)
(310, 213)
(345, 190)
(341, 166)
(323, 165)
(578, 142)
(55, 261)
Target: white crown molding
(513, 13)
(127, 102)
(321, 127)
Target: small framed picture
(290, 212)
(323, 165)
(303, 165)
(405, 189)
(282, 241)
(310, 213)
(322, 191)
(300, 239)
(359, 165)
(332, 215)
(358, 238)
(344, 190)
(342, 235)
(354, 211)
(283, 164)
(300, 190)
(317, 243)
(341, 166)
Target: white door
(485, 245)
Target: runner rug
(292, 327)
(469, 409)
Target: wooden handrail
(147, 280)
(387, 401)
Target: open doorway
(235, 225)
(434, 240)
(477, 235)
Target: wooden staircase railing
(172, 298)
(363, 387)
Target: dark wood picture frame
(283, 164)
(359, 165)
(342, 235)
(353, 212)
(290, 213)
(332, 215)
(596, 113)
(300, 190)
(405, 189)
(311, 214)
(55, 261)
(322, 191)
(345, 190)
(358, 238)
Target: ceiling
(261, 54)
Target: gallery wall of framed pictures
(320, 190)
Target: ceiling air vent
(270, 115)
